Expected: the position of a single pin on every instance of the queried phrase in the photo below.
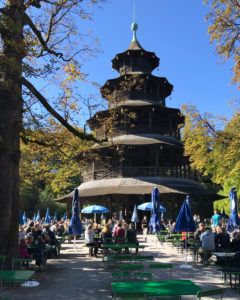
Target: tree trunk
(10, 125)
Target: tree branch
(38, 34)
(54, 113)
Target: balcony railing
(102, 133)
(178, 171)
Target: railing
(135, 95)
(178, 171)
(102, 133)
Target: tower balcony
(176, 171)
(103, 133)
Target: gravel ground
(73, 275)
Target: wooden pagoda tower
(139, 141)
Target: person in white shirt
(89, 240)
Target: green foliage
(214, 150)
(33, 199)
(49, 166)
(224, 30)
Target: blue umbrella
(34, 217)
(38, 217)
(75, 226)
(94, 209)
(154, 223)
(47, 217)
(55, 218)
(24, 218)
(135, 218)
(185, 223)
(233, 221)
(147, 206)
(185, 220)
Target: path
(75, 276)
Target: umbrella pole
(186, 266)
(186, 247)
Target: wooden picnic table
(19, 276)
(154, 288)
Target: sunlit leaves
(213, 150)
(224, 30)
(49, 159)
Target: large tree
(40, 40)
(224, 30)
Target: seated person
(207, 245)
(199, 231)
(131, 237)
(50, 239)
(106, 234)
(89, 240)
(23, 249)
(39, 252)
(119, 233)
(235, 244)
(37, 231)
(222, 240)
(96, 230)
(59, 230)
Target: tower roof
(135, 59)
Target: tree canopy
(50, 160)
(224, 30)
(213, 146)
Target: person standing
(144, 225)
(216, 219)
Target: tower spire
(134, 27)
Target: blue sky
(177, 32)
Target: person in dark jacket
(235, 244)
(131, 236)
(222, 240)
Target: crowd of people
(216, 238)
(211, 238)
(114, 231)
(39, 241)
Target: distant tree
(213, 149)
(50, 160)
(40, 40)
(224, 30)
